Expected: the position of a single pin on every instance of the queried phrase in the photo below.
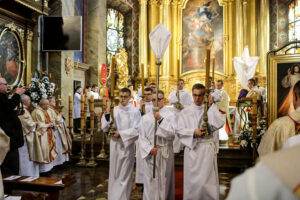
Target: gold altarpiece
(245, 23)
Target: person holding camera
(11, 125)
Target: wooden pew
(42, 184)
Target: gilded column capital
(153, 2)
(29, 35)
(175, 2)
(143, 2)
(165, 2)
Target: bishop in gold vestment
(45, 133)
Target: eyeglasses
(124, 97)
(198, 95)
(3, 84)
(158, 99)
(147, 94)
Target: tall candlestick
(148, 81)
(143, 80)
(82, 112)
(207, 68)
(70, 111)
(178, 69)
(112, 74)
(85, 104)
(213, 70)
(92, 111)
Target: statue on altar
(122, 69)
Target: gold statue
(122, 69)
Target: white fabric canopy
(245, 67)
(159, 40)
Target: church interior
(79, 55)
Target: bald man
(11, 125)
(45, 133)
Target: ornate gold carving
(68, 65)
(122, 69)
(29, 35)
(153, 2)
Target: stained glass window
(294, 20)
(114, 33)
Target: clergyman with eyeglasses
(11, 125)
(121, 162)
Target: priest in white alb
(200, 154)
(62, 136)
(223, 106)
(121, 159)
(282, 128)
(28, 150)
(180, 98)
(145, 105)
(163, 185)
(46, 139)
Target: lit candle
(207, 68)
(82, 112)
(85, 103)
(70, 111)
(112, 74)
(148, 82)
(143, 81)
(213, 70)
(92, 111)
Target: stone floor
(92, 183)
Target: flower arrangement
(246, 136)
(41, 87)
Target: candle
(70, 111)
(213, 69)
(178, 69)
(112, 78)
(92, 111)
(207, 68)
(82, 112)
(143, 81)
(85, 103)
(148, 81)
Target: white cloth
(200, 154)
(139, 161)
(159, 40)
(60, 158)
(121, 152)
(245, 67)
(292, 141)
(186, 98)
(77, 106)
(95, 94)
(163, 186)
(223, 106)
(262, 92)
(4, 148)
(139, 93)
(27, 167)
(259, 182)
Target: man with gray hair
(11, 125)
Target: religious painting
(283, 74)
(11, 59)
(202, 27)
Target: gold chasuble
(278, 133)
(65, 137)
(46, 138)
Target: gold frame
(273, 61)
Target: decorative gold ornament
(122, 69)
(68, 65)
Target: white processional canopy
(245, 67)
(159, 40)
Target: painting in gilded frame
(202, 27)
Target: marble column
(96, 38)
(143, 38)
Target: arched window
(114, 33)
(294, 20)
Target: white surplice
(200, 154)
(139, 176)
(77, 105)
(121, 161)
(163, 185)
(185, 98)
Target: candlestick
(82, 112)
(112, 74)
(92, 111)
(207, 68)
(148, 81)
(70, 111)
(213, 69)
(85, 104)
(178, 69)
(143, 80)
